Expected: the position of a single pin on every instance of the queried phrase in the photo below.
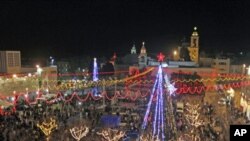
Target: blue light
(145, 120)
(95, 71)
(156, 112)
(162, 110)
(95, 76)
(158, 121)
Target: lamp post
(175, 55)
(39, 73)
(243, 69)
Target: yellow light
(39, 70)
(79, 133)
(14, 76)
(111, 134)
(47, 127)
(175, 52)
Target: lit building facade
(10, 62)
(221, 65)
(48, 76)
(63, 67)
(188, 51)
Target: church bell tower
(194, 47)
(143, 56)
(133, 49)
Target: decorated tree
(111, 134)
(193, 116)
(79, 132)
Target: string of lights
(181, 88)
(132, 95)
(128, 79)
(127, 93)
(158, 118)
(166, 70)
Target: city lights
(14, 76)
(82, 71)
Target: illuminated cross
(160, 57)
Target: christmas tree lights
(158, 133)
(95, 77)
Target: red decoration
(160, 57)
(127, 94)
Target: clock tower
(194, 47)
(143, 56)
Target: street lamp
(243, 68)
(14, 76)
(39, 72)
(52, 60)
(175, 52)
(175, 55)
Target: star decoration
(160, 57)
(171, 88)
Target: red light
(160, 57)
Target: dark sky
(101, 27)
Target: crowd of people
(22, 125)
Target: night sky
(101, 27)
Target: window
(10, 59)
(222, 63)
(16, 59)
